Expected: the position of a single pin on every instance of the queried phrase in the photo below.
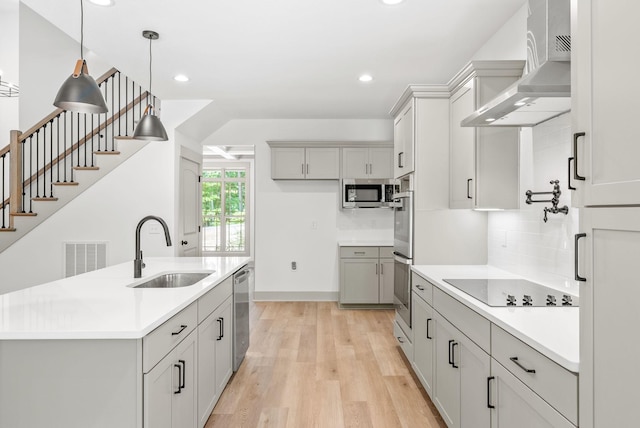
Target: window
(225, 214)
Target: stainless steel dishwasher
(241, 281)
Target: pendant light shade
(150, 127)
(80, 92)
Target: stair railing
(50, 152)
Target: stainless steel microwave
(363, 193)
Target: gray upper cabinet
(367, 162)
(484, 162)
(300, 163)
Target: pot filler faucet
(138, 264)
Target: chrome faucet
(138, 264)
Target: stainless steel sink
(174, 280)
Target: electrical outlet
(154, 229)
(294, 266)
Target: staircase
(61, 156)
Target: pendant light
(80, 92)
(150, 128)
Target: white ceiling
(286, 58)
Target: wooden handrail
(5, 150)
(57, 111)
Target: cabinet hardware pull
(420, 287)
(370, 168)
(184, 371)
(428, 323)
(376, 268)
(307, 169)
(400, 158)
(302, 170)
(179, 377)
(400, 339)
(517, 363)
(469, 182)
(381, 269)
(182, 327)
(576, 256)
(221, 331)
(453, 355)
(450, 342)
(569, 174)
(489, 405)
(575, 155)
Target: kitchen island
(84, 351)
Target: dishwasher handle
(239, 276)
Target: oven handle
(401, 259)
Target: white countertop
(553, 332)
(365, 243)
(103, 305)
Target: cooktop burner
(513, 292)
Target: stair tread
(65, 183)
(23, 214)
(106, 152)
(45, 199)
(7, 229)
(86, 168)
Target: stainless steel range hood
(545, 91)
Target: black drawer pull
(489, 405)
(184, 371)
(428, 322)
(575, 155)
(517, 363)
(400, 339)
(221, 325)
(450, 362)
(179, 378)
(569, 175)
(182, 327)
(469, 182)
(453, 355)
(576, 256)
(420, 287)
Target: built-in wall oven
(403, 254)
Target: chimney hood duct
(545, 91)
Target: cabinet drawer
(556, 385)
(359, 252)
(210, 301)
(422, 287)
(403, 341)
(386, 252)
(163, 339)
(474, 326)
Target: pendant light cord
(81, 30)
(150, 60)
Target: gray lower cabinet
(478, 375)
(170, 388)
(366, 275)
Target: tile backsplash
(519, 241)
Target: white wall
(286, 210)
(509, 42)
(519, 241)
(9, 107)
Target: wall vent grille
(563, 43)
(81, 257)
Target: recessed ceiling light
(392, 2)
(103, 2)
(365, 78)
(490, 119)
(181, 78)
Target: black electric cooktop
(513, 292)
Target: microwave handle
(401, 258)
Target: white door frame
(191, 156)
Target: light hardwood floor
(311, 364)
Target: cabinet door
(287, 163)
(403, 138)
(518, 406)
(475, 369)
(355, 162)
(462, 140)
(447, 375)
(359, 281)
(423, 325)
(208, 332)
(381, 162)
(224, 345)
(606, 98)
(184, 406)
(386, 281)
(497, 169)
(322, 163)
(160, 385)
(609, 316)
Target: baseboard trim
(295, 296)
